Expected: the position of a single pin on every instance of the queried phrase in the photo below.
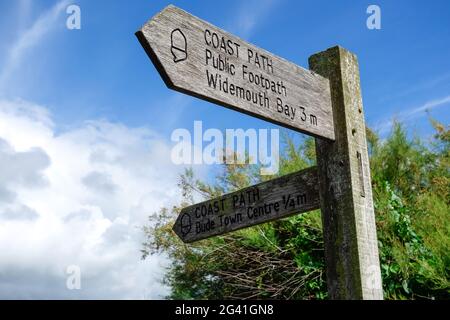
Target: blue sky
(101, 71)
(85, 121)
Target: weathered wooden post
(351, 250)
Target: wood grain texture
(301, 99)
(278, 198)
(351, 247)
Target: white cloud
(78, 198)
(427, 106)
(249, 15)
(30, 37)
(409, 115)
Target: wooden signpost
(197, 58)
(278, 198)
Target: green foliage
(411, 186)
(285, 259)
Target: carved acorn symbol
(185, 224)
(178, 45)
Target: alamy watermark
(373, 277)
(235, 146)
(73, 281)
(374, 20)
(73, 21)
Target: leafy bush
(285, 259)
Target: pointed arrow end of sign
(145, 43)
(176, 228)
(183, 226)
